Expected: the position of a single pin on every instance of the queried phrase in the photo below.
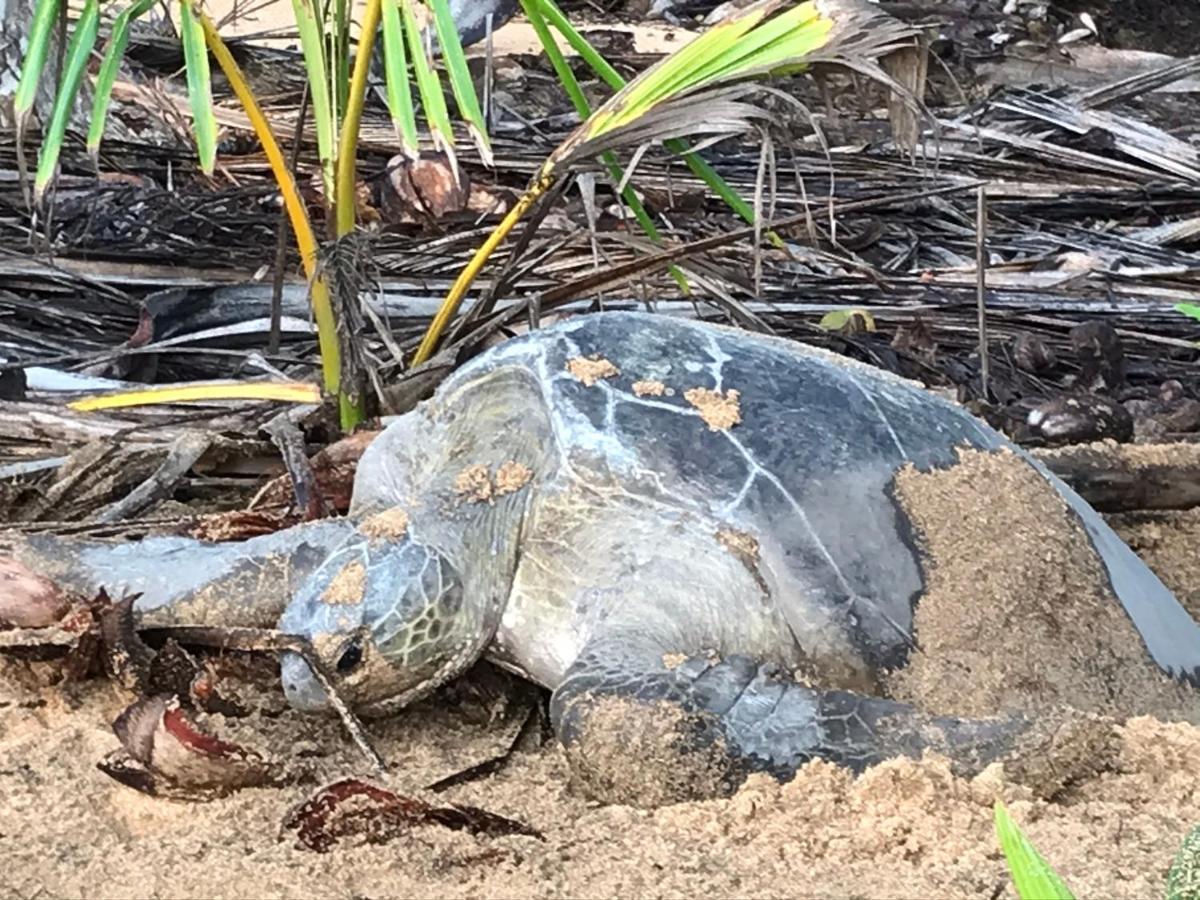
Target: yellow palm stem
(344, 188)
(467, 276)
(306, 241)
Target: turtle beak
(300, 686)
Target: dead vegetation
(1084, 146)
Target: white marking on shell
(719, 358)
(882, 416)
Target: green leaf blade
(461, 83)
(399, 90)
(701, 169)
(1032, 876)
(40, 35)
(1188, 309)
(107, 76)
(312, 48)
(429, 86)
(199, 82)
(79, 49)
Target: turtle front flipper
(181, 580)
(647, 731)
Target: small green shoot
(1188, 309)
(847, 320)
(1031, 874)
(1183, 880)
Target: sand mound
(904, 829)
(1017, 613)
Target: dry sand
(905, 829)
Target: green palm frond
(754, 42)
(41, 34)
(459, 77)
(706, 89)
(117, 41)
(199, 82)
(79, 48)
(429, 85)
(313, 45)
(399, 91)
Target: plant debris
(165, 752)
(352, 808)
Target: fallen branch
(1125, 477)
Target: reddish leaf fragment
(179, 756)
(354, 808)
(74, 637)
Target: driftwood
(1126, 477)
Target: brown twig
(981, 287)
(284, 233)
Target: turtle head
(385, 618)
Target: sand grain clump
(719, 411)
(649, 388)
(347, 585)
(390, 524)
(589, 371)
(511, 477)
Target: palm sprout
(705, 89)
(712, 73)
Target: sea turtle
(685, 531)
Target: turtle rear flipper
(643, 733)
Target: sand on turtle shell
(904, 829)
(720, 412)
(1017, 612)
(348, 585)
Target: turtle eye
(350, 658)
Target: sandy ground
(904, 829)
(515, 37)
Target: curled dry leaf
(352, 808)
(427, 187)
(165, 752)
(1078, 420)
(27, 599)
(1032, 353)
